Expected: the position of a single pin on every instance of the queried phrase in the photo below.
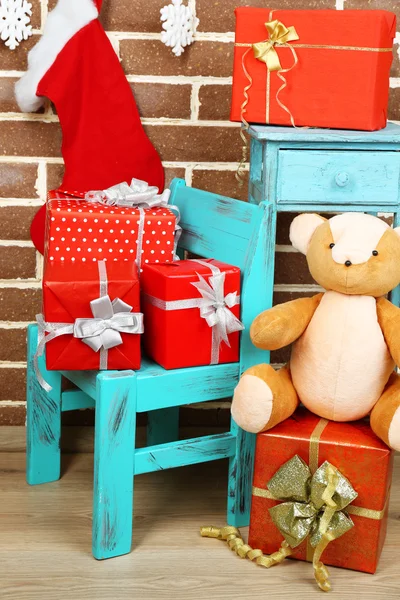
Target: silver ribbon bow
(139, 194)
(101, 333)
(215, 307)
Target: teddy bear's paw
(252, 404)
(394, 431)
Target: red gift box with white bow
(91, 317)
(80, 230)
(191, 313)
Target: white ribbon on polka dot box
(83, 230)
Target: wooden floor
(45, 541)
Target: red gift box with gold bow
(318, 68)
(360, 457)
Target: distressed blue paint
(114, 460)
(75, 400)
(338, 177)
(43, 427)
(185, 452)
(389, 135)
(163, 426)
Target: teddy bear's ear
(302, 230)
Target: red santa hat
(74, 64)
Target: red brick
(17, 180)
(158, 100)
(30, 138)
(12, 384)
(16, 60)
(218, 15)
(13, 345)
(394, 104)
(55, 174)
(17, 262)
(291, 268)
(8, 102)
(151, 57)
(219, 182)
(15, 221)
(19, 304)
(12, 415)
(215, 102)
(143, 16)
(171, 173)
(196, 143)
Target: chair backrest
(234, 232)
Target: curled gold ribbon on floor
(312, 507)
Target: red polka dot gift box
(191, 312)
(80, 230)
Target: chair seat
(158, 388)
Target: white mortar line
(11, 73)
(9, 403)
(286, 248)
(15, 324)
(195, 102)
(19, 243)
(395, 82)
(39, 266)
(41, 181)
(340, 4)
(297, 288)
(42, 117)
(189, 175)
(50, 118)
(179, 79)
(7, 364)
(57, 160)
(22, 284)
(4, 203)
(44, 12)
(200, 36)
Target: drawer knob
(342, 178)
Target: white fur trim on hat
(68, 17)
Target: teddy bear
(345, 341)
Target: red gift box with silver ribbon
(191, 313)
(91, 317)
(124, 222)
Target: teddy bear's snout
(349, 257)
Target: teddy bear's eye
(375, 252)
(331, 245)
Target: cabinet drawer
(338, 177)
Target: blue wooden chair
(213, 227)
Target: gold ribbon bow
(279, 35)
(312, 505)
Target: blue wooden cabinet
(324, 170)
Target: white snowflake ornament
(180, 24)
(14, 22)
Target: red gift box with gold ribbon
(354, 450)
(318, 68)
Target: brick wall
(184, 103)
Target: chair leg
(163, 426)
(43, 427)
(240, 478)
(114, 463)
